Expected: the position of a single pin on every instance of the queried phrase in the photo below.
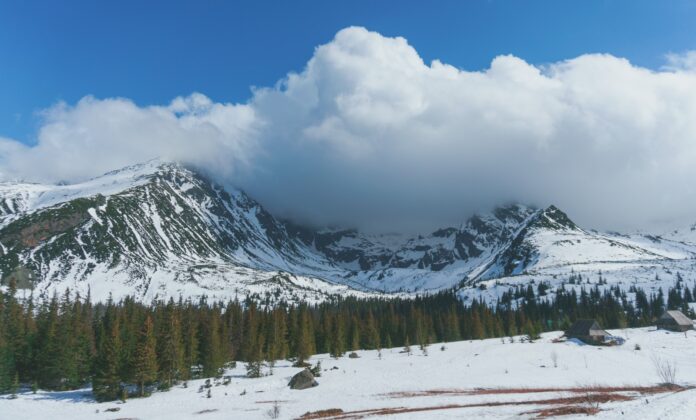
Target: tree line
(128, 347)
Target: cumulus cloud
(98, 135)
(368, 134)
(684, 61)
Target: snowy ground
(650, 276)
(370, 383)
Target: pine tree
(250, 346)
(145, 360)
(15, 385)
(190, 339)
(69, 355)
(6, 359)
(354, 334)
(14, 332)
(452, 326)
(7, 366)
(253, 369)
(83, 339)
(170, 349)
(303, 344)
(54, 345)
(477, 332)
(279, 337)
(211, 353)
(337, 337)
(107, 382)
(253, 342)
(388, 342)
(372, 340)
(53, 350)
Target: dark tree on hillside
(303, 338)
(170, 347)
(145, 363)
(106, 384)
(337, 337)
(63, 343)
(210, 347)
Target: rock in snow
(303, 380)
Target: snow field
(365, 383)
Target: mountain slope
(160, 229)
(160, 226)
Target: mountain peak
(161, 228)
(553, 218)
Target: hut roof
(582, 327)
(678, 317)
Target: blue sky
(154, 51)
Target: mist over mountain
(161, 229)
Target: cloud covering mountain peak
(369, 134)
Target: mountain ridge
(160, 228)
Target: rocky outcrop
(303, 380)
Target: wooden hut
(675, 321)
(587, 330)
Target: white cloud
(681, 62)
(97, 135)
(369, 134)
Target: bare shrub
(274, 412)
(666, 370)
(591, 401)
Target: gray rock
(303, 380)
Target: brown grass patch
(322, 414)
(564, 411)
(656, 389)
(587, 403)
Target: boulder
(303, 380)
(353, 355)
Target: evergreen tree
(372, 340)
(337, 347)
(354, 333)
(477, 332)
(275, 336)
(14, 334)
(145, 363)
(253, 342)
(452, 326)
(53, 345)
(53, 349)
(190, 339)
(7, 368)
(211, 353)
(303, 344)
(84, 350)
(407, 346)
(15, 385)
(170, 348)
(106, 383)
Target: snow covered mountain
(159, 229)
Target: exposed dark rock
(303, 380)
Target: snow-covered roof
(677, 316)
